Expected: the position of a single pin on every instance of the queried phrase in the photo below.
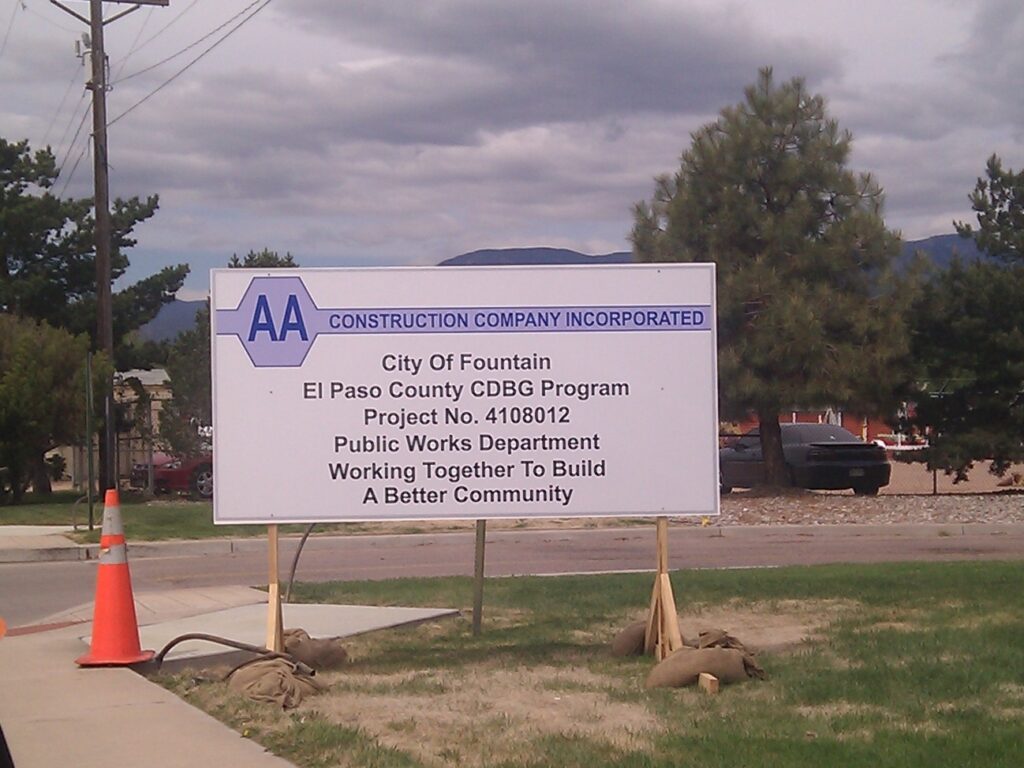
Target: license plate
(857, 472)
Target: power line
(71, 146)
(71, 121)
(51, 22)
(64, 98)
(10, 25)
(74, 168)
(191, 45)
(194, 61)
(132, 48)
(163, 29)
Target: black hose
(266, 653)
(295, 561)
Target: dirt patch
(763, 627)
(496, 713)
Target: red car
(170, 474)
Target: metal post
(478, 576)
(91, 479)
(150, 483)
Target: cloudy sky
(373, 132)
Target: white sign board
(473, 393)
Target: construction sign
(464, 393)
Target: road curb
(44, 554)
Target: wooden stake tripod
(662, 636)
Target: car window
(800, 434)
(751, 439)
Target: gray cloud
(405, 132)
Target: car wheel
(202, 482)
(866, 490)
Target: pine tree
(968, 338)
(807, 315)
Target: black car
(818, 456)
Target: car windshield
(801, 434)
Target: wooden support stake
(275, 629)
(478, 576)
(662, 636)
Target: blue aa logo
(263, 320)
(276, 321)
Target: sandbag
(276, 681)
(318, 653)
(718, 638)
(685, 665)
(630, 641)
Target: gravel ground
(810, 508)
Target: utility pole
(103, 230)
(101, 206)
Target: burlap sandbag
(276, 681)
(318, 653)
(630, 641)
(685, 665)
(718, 638)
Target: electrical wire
(74, 168)
(10, 25)
(64, 98)
(51, 22)
(71, 146)
(188, 47)
(132, 48)
(166, 26)
(194, 61)
(71, 122)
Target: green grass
(157, 520)
(922, 664)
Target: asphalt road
(32, 591)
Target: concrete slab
(168, 604)
(248, 624)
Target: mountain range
(179, 315)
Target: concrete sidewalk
(55, 713)
(38, 543)
(50, 543)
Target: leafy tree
(47, 257)
(189, 414)
(42, 386)
(968, 337)
(806, 310)
(998, 201)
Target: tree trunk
(17, 480)
(775, 472)
(41, 476)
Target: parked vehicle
(171, 474)
(818, 457)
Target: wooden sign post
(275, 629)
(662, 636)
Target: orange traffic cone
(115, 630)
